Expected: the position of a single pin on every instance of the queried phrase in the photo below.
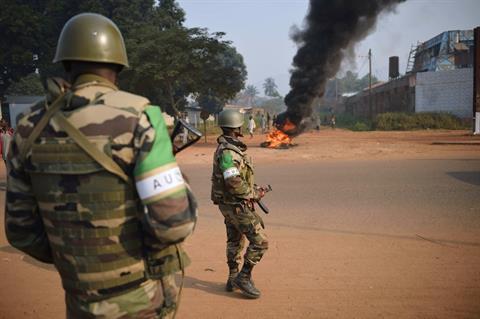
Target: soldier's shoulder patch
(227, 165)
(226, 160)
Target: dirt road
(363, 225)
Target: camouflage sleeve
(230, 164)
(23, 223)
(170, 213)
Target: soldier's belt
(66, 268)
(105, 283)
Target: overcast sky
(259, 29)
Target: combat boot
(229, 286)
(244, 282)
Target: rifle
(264, 207)
(184, 135)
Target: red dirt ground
(307, 272)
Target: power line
(363, 65)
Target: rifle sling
(103, 159)
(52, 111)
(41, 125)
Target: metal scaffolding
(449, 50)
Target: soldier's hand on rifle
(260, 192)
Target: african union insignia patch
(158, 175)
(160, 182)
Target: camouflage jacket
(63, 207)
(232, 177)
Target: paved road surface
(352, 239)
(431, 198)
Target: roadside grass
(403, 122)
(418, 121)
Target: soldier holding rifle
(235, 193)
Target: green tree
(187, 62)
(351, 83)
(364, 82)
(251, 93)
(20, 27)
(168, 62)
(211, 103)
(270, 87)
(30, 30)
(28, 85)
(170, 14)
(274, 106)
(224, 74)
(162, 79)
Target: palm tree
(251, 92)
(270, 88)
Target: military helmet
(91, 37)
(230, 118)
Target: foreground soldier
(234, 192)
(93, 186)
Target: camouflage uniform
(115, 242)
(234, 191)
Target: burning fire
(277, 138)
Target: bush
(351, 122)
(417, 121)
(394, 122)
(360, 126)
(344, 120)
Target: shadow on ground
(472, 178)
(27, 259)
(215, 288)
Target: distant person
(251, 126)
(185, 131)
(3, 125)
(263, 123)
(332, 122)
(268, 121)
(6, 139)
(2, 132)
(318, 122)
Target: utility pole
(336, 92)
(370, 110)
(476, 81)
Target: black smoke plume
(332, 28)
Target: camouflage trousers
(153, 299)
(243, 223)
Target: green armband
(158, 175)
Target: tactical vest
(220, 194)
(93, 226)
